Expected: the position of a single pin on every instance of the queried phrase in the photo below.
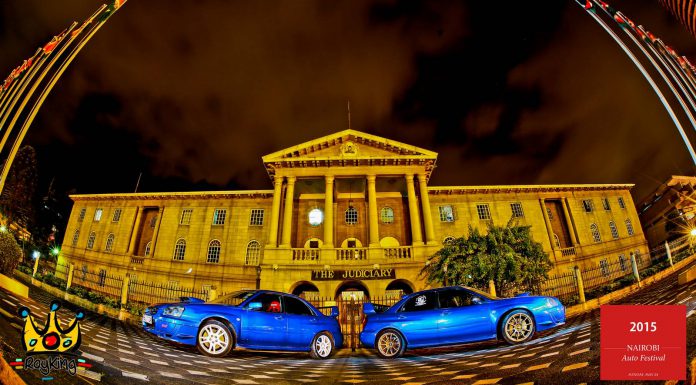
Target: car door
(465, 316)
(303, 324)
(417, 319)
(264, 324)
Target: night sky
(193, 93)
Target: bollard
(212, 295)
(124, 290)
(36, 267)
(491, 288)
(669, 255)
(636, 275)
(581, 285)
(71, 271)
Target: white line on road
(135, 375)
(129, 361)
(582, 342)
(92, 357)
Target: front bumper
(172, 329)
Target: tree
(17, 198)
(507, 255)
(10, 253)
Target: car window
(455, 298)
(270, 303)
(420, 302)
(234, 298)
(295, 306)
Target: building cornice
(176, 195)
(448, 190)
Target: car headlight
(552, 302)
(174, 311)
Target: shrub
(54, 281)
(10, 253)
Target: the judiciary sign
(329, 275)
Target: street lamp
(693, 232)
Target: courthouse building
(348, 212)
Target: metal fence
(562, 286)
(147, 293)
(102, 283)
(606, 272)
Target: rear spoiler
(372, 308)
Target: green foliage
(10, 253)
(54, 281)
(95, 297)
(17, 198)
(135, 308)
(507, 255)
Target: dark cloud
(194, 93)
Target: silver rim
(519, 327)
(389, 344)
(322, 346)
(214, 339)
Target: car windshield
(479, 292)
(234, 298)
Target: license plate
(147, 319)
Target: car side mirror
(476, 300)
(254, 306)
(334, 312)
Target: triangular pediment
(349, 144)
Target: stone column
(160, 214)
(328, 212)
(287, 213)
(416, 237)
(372, 210)
(570, 222)
(549, 229)
(427, 214)
(134, 230)
(275, 212)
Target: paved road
(567, 355)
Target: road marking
(582, 342)
(528, 355)
(689, 314)
(126, 351)
(159, 362)
(510, 366)
(129, 361)
(537, 367)
(151, 354)
(198, 373)
(219, 370)
(684, 300)
(14, 325)
(574, 366)
(182, 363)
(447, 373)
(8, 302)
(171, 375)
(580, 351)
(491, 364)
(96, 347)
(464, 377)
(488, 381)
(135, 375)
(92, 357)
(549, 354)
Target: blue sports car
(253, 319)
(457, 314)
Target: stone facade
(373, 231)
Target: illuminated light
(55, 251)
(3, 228)
(693, 232)
(36, 254)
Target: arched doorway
(399, 285)
(305, 289)
(352, 290)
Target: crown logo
(52, 338)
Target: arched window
(351, 216)
(90, 240)
(387, 215)
(75, 237)
(448, 240)
(629, 227)
(180, 250)
(556, 241)
(147, 248)
(253, 251)
(595, 233)
(214, 251)
(109, 243)
(614, 231)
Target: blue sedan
(454, 315)
(252, 319)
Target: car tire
(215, 339)
(390, 344)
(322, 346)
(518, 326)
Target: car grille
(151, 310)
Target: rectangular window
(117, 215)
(219, 216)
(446, 214)
(605, 204)
(629, 227)
(186, 217)
(484, 212)
(604, 265)
(83, 211)
(517, 210)
(314, 244)
(351, 244)
(256, 217)
(102, 277)
(622, 262)
(588, 205)
(621, 203)
(97, 215)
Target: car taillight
(364, 321)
